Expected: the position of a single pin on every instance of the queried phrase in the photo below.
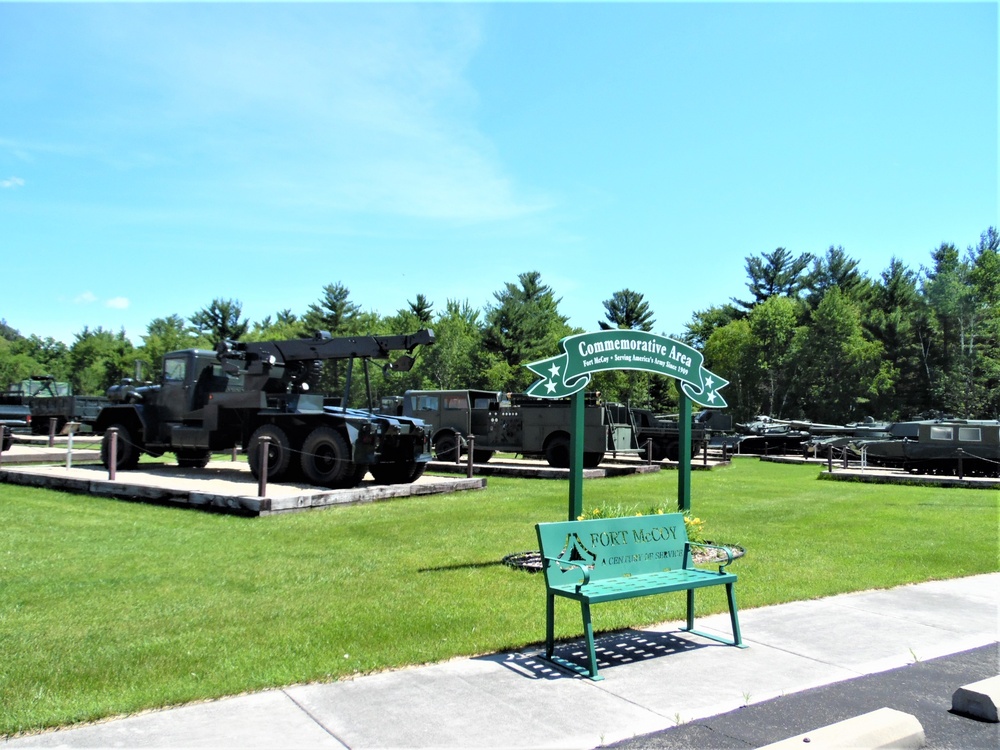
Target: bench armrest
(722, 567)
(571, 563)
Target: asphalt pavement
(808, 664)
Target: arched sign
(587, 353)
(568, 374)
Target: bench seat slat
(626, 587)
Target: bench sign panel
(617, 546)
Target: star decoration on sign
(554, 370)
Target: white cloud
(118, 303)
(85, 298)
(12, 182)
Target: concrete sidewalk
(655, 679)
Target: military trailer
(517, 424)
(242, 393)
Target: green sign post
(568, 374)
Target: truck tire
(193, 458)
(482, 457)
(279, 452)
(326, 459)
(592, 460)
(445, 446)
(673, 451)
(126, 450)
(557, 452)
(399, 473)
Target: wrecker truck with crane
(241, 393)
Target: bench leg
(588, 631)
(734, 616)
(550, 624)
(733, 619)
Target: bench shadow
(613, 650)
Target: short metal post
(704, 453)
(829, 458)
(263, 448)
(845, 457)
(468, 464)
(69, 451)
(236, 452)
(725, 451)
(52, 431)
(458, 448)
(112, 452)
(649, 451)
(961, 472)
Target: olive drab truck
(539, 428)
(241, 393)
(516, 423)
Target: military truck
(42, 398)
(657, 438)
(242, 393)
(516, 423)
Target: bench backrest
(613, 547)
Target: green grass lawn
(109, 607)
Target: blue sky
(156, 156)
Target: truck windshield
(174, 369)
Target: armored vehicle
(241, 393)
(938, 446)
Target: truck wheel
(557, 452)
(444, 447)
(279, 452)
(401, 473)
(672, 451)
(192, 458)
(326, 459)
(592, 460)
(482, 457)
(653, 452)
(126, 450)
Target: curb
(978, 700)
(884, 728)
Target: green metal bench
(605, 560)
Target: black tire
(399, 473)
(193, 458)
(8, 439)
(672, 452)
(279, 452)
(557, 452)
(444, 447)
(592, 460)
(127, 450)
(482, 457)
(326, 459)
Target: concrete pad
(222, 486)
(978, 700)
(507, 700)
(262, 720)
(884, 728)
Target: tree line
(815, 339)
